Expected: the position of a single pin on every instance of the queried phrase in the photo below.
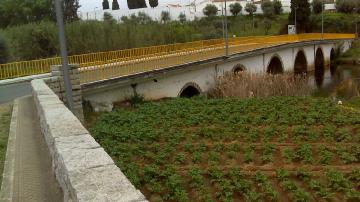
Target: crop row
(234, 154)
(215, 184)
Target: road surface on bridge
(12, 91)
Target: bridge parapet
(85, 172)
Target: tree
(135, 4)
(267, 8)
(317, 6)
(153, 3)
(346, 6)
(210, 10)
(182, 17)
(115, 5)
(277, 7)
(105, 5)
(70, 10)
(165, 16)
(303, 12)
(235, 9)
(143, 18)
(250, 8)
(108, 17)
(17, 12)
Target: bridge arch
(190, 90)
(332, 62)
(300, 64)
(319, 67)
(238, 68)
(275, 65)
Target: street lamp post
(296, 31)
(226, 33)
(95, 12)
(322, 19)
(63, 52)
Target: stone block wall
(85, 172)
(56, 83)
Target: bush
(4, 52)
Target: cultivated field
(274, 149)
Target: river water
(343, 83)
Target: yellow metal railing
(105, 65)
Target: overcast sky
(90, 5)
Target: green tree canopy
(4, 53)
(250, 8)
(347, 6)
(17, 12)
(182, 17)
(165, 16)
(235, 9)
(317, 6)
(115, 5)
(153, 3)
(303, 12)
(210, 10)
(277, 7)
(135, 4)
(105, 4)
(268, 8)
(70, 10)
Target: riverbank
(352, 56)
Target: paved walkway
(34, 180)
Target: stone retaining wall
(83, 169)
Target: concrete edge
(84, 171)
(7, 185)
(23, 79)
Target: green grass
(210, 149)
(5, 117)
(354, 52)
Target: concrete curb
(23, 79)
(7, 185)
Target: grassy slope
(5, 116)
(354, 52)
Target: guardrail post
(56, 83)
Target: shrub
(245, 84)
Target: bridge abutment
(56, 83)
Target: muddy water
(342, 83)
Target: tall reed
(247, 84)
